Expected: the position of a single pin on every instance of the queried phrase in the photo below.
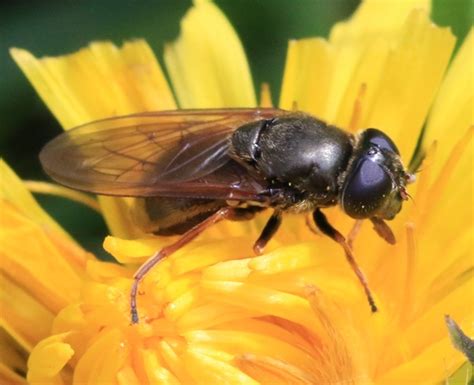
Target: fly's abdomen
(172, 216)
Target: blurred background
(55, 27)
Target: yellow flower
(212, 312)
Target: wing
(180, 153)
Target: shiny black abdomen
(297, 151)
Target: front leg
(383, 230)
(327, 229)
(354, 232)
(268, 232)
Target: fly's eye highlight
(372, 151)
(373, 137)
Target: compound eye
(372, 136)
(366, 188)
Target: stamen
(265, 96)
(442, 180)
(294, 106)
(63, 192)
(425, 177)
(270, 365)
(357, 109)
(409, 273)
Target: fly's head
(374, 185)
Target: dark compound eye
(372, 136)
(366, 188)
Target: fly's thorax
(296, 152)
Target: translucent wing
(171, 153)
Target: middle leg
(327, 229)
(268, 232)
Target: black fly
(197, 167)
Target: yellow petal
(174, 362)
(101, 80)
(207, 63)
(265, 96)
(453, 108)
(181, 304)
(284, 260)
(71, 317)
(419, 62)
(268, 370)
(202, 254)
(127, 376)
(8, 376)
(434, 364)
(155, 372)
(39, 265)
(376, 17)
(235, 342)
(99, 270)
(388, 59)
(95, 367)
(41, 269)
(309, 66)
(128, 251)
(64, 192)
(48, 358)
(212, 314)
(233, 270)
(429, 327)
(21, 311)
(208, 370)
(454, 235)
(116, 212)
(254, 298)
(180, 285)
(106, 304)
(14, 191)
(13, 365)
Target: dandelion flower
(213, 312)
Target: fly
(195, 168)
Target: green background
(58, 27)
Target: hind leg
(188, 236)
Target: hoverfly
(197, 167)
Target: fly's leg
(326, 228)
(354, 232)
(223, 213)
(268, 232)
(383, 230)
